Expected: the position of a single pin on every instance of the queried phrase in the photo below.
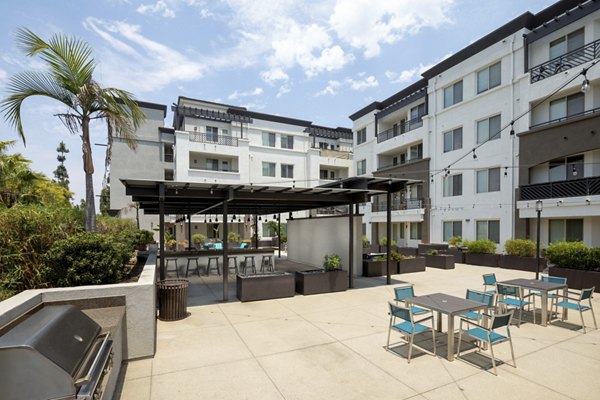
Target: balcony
(214, 169)
(568, 117)
(168, 158)
(410, 204)
(552, 190)
(225, 140)
(400, 129)
(566, 61)
(386, 166)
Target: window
(224, 165)
(453, 94)
(324, 174)
(452, 228)
(416, 152)
(287, 171)
(268, 139)
(212, 164)
(361, 136)
(488, 129)
(287, 142)
(361, 167)
(567, 106)
(569, 230)
(212, 134)
(565, 44)
(488, 230)
(323, 145)
(488, 180)
(416, 116)
(453, 185)
(488, 78)
(453, 140)
(168, 152)
(268, 169)
(415, 230)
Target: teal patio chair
(404, 292)
(218, 246)
(488, 335)
(489, 280)
(408, 327)
(552, 296)
(481, 297)
(575, 304)
(512, 296)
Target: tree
(60, 173)
(69, 80)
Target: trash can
(172, 299)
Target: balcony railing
(567, 61)
(334, 210)
(386, 166)
(168, 158)
(410, 204)
(214, 169)
(400, 129)
(202, 137)
(553, 190)
(568, 117)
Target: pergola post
(161, 229)
(255, 231)
(388, 249)
(189, 218)
(279, 233)
(225, 254)
(351, 246)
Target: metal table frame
(543, 288)
(451, 306)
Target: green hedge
(520, 247)
(574, 255)
(480, 246)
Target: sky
(314, 60)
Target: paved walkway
(331, 346)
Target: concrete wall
(140, 314)
(310, 239)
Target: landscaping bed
(273, 285)
(321, 281)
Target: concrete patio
(331, 346)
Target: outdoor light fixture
(539, 206)
(260, 218)
(574, 170)
(274, 217)
(211, 190)
(474, 155)
(210, 220)
(505, 171)
(585, 85)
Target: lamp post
(539, 206)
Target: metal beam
(225, 254)
(351, 246)
(388, 249)
(161, 229)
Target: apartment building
(490, 130)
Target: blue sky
(314, 60)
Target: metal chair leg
(410, 345)
(512, 352)
(493, 358)
(459, 342)
(582, 322)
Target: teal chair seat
(418, 310)
(410, 329)
(472, 315)
(514, 302)
(482, 334)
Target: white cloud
(3, 76)
(250, 93)
(412, 74)
(160, 7)
(283, 89)
(331, 88)
(362, 84)
(274, 75)
(368, 24)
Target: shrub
(86, 259)
(383, 242)
(481, 246)
(432, 252)
(455, 241)
(331, 262)
(395, 256)
(233, 237)
(574, 255)
(198, 239)
(520, 247)
(143, 237)
(365, 242)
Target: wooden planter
(425, 247)
(459, 255)
(274, 285)
(483, 259)
(409, 265)
(577, 278)
(376, 268)
(443, 261)
(321, 281)
(521, 263)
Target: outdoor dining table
(451, 306)
(543, 288)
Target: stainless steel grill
(55, 353)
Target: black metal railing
(409, 204)
(334, 210)
(553, 190)
(214, 169)
(568, 117)
(567, 61)
(168, 157)
(401, 129)
(214, 138)
(400, 162)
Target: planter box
(408, 251)
(483, 259)
(577, 278)
(411, 265)
(265, 286)
(521, 263)
(320, 281)
(425, 247)
(459, 255)
(377, 268)
(443, 261)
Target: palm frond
(122, 111)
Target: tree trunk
(88, 167)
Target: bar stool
(216, 260)
(234, 258)
(188, 265)
(249, 262)
(173, 260)
(267, 261)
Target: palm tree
(69, 80)
(16, 179)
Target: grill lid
(63, 334)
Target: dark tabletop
(446, 303)
(533, 284)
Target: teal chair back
(480, 297)
(243, 245)
(219, 246)
(500, 320)
(400, 312)
(508, 290)
(404, 292)
(489, 279)
(554, 279)
(587, 293)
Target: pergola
(191, 198)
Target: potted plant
(482, 252)
(376, 266)
(198, 239)
(383, 244)
(520, 255)
(233, 237)
(332, 278)
(455, 248)
(435, 259)
(171, 243)
(576, 262)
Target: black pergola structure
(191, 198)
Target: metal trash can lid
(173, 284)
